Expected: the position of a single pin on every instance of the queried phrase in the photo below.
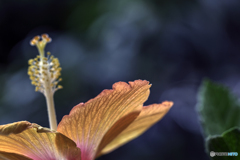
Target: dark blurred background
(173, 44)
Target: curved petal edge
(148, 117)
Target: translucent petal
(88, 122)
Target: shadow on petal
(15, 128)
(12, 156)
(67, 148)
(117, 128)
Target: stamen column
(44, 73)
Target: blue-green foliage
(219, 112)
(219, 109)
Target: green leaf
(219, 109)
(229, 141)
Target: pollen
(44, 71)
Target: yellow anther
(44, 68)
(48, 53)
(31, 78)
(59, 87)
(30, 61)
(31, 67)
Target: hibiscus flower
(91, 129)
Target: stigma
(44, 71)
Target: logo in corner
(212, 154)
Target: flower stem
(51, 109)
(48, 92)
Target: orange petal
(149, 116)
(36, 142)
(88, 123)
(12, 156)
